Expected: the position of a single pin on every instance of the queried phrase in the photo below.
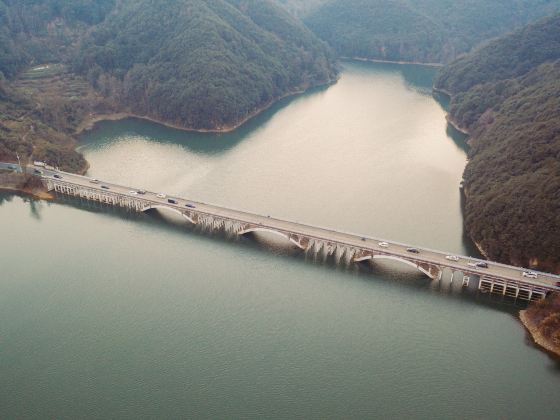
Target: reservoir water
(105, 314)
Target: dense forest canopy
(193, 63)
(507, 94)
(202, 64)
(38, 31)
(419, 30)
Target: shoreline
(34, 193)
(456, 126)
(89, 122)
(376, 60)
(536, 337)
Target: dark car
(413, 250)
(192, 206)
(482, 264)
(37, 171)
(141, 192)
(57, 176)
(105, 187)
(172, 201)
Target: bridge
(344, 247)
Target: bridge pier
(319, 243)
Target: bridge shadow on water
(392, 274)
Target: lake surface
(106, 314)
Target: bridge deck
(497, 271)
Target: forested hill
(429, 31)
(202, 64)
(507, 95)
(40, 31)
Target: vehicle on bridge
(94, 181)
(57, 176)
(105, 187)
(529, 274)
(452, 257)
(479, 264)
(413, 250)
(192, 206)
(172, 201)
(383, 244)
(161, 195)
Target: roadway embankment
(23, 183)
(542, 321)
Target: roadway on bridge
(499, 271)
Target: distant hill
(39, 31)
(300, 8)
(202, 64)
(429, 31)
(507, 94)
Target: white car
(383, 244)
(133, 192)
(160, 195)
(452, 257)
(94, 181)
(529, 274)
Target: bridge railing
(305, 225)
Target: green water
(105, 314)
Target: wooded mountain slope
(39, 31)
(419, 30)
(202, 64)
(512, 109)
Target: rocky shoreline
(535, 318)
(91, 120)
(23, 184)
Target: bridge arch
(274, 232)
(168, 208)
(395, 258)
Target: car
(161, 195)
(452, 257)
(192, 206)
(529, 274)
(37, 172)
(479, 264)
(364, 239)
(57, 176)
(41, 164)
(105, 187)
(94, 181)
(413, 250)
(132, 192)
(172, 201)
(383, 244)
(142, 192)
